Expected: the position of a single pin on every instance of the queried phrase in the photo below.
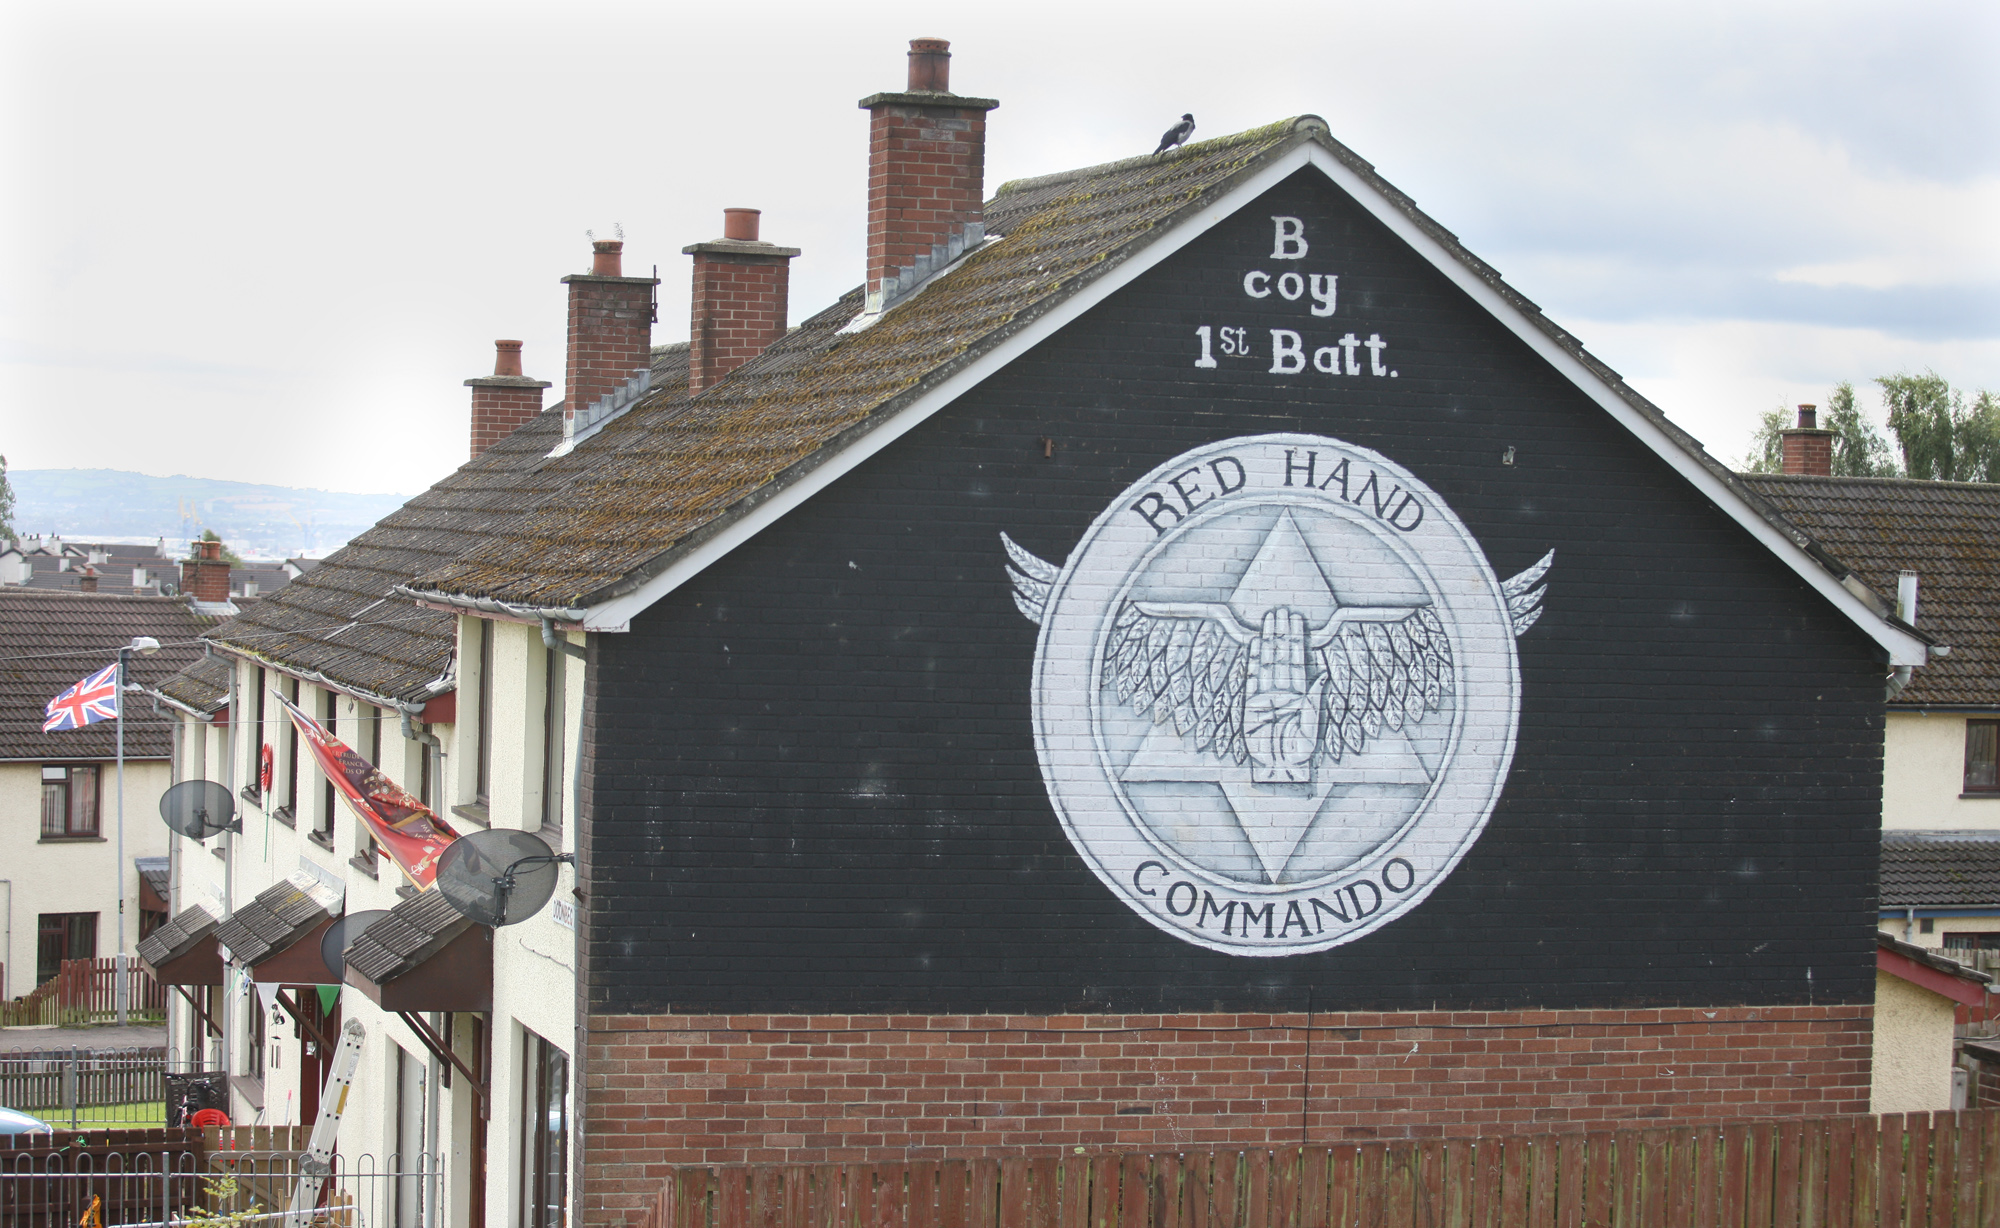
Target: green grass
(115, 1116)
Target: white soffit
(617, 614)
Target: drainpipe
(559, 642)
(1906, 609)
(1910, 924)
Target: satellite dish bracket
(503, 882)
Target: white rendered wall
(73, 875)
(1912, 1051)
(1923, 775)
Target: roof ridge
(1913, 483)
(1269, 131)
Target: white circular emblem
(1275, 692)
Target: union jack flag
(88, 702)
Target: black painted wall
(813, 782)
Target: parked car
(14, 1121)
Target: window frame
(482, 770)
(555, 739)
(322, 830)
(1988, 733)
(82, 811)
(545, 1158)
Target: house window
(1971, 940)
(323, 829)
(544, 1134)
(288, 766)
(69, 801)
(482, 785)
(369, 738)
(554, 707)
(63, 936)
(425, 790)
(253, 1058)
(1982, 756)
(257, 751)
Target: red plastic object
(209, 1117)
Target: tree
(1859, 451)
(1942, 437)
(6, 504)
(228, 556)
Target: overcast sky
(268, 241)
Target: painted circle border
(1420, 854)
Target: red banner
(404, 827)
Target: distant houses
(130, 569)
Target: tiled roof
(677, 464)
(155, 871)
(203, 686)
(1932, 959)
(414, 930)
(178, 936)
(1946, 532)
(343, 622)
(50, 640)
(1941, 869)
(279, 916)
(676, 470)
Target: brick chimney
(741, 286)
(926, 175)
(504, 400)
(205, 577)
(1808, 449)
(610, 327)
(87, 582)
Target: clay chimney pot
(605, 257)
(930, 65)
(506, 358)
(740, 224)
(1809, 417)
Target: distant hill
(257, 521)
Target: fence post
(69, 1088)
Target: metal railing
(74, 1088)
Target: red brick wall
(610, 334)
(926, 180)
(205, 579)
(498, 409)
(739, 309)
(665, 1090)
(1808, 452)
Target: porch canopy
(424, 956)
(277, 934)
(183, 951)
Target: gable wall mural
(1282, 632)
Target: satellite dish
(499, 876)
(341, 934)
(198, 809)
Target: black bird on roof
(1176, 135)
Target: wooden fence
(86, 991)
(1898, 1171)
(57, 1078)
